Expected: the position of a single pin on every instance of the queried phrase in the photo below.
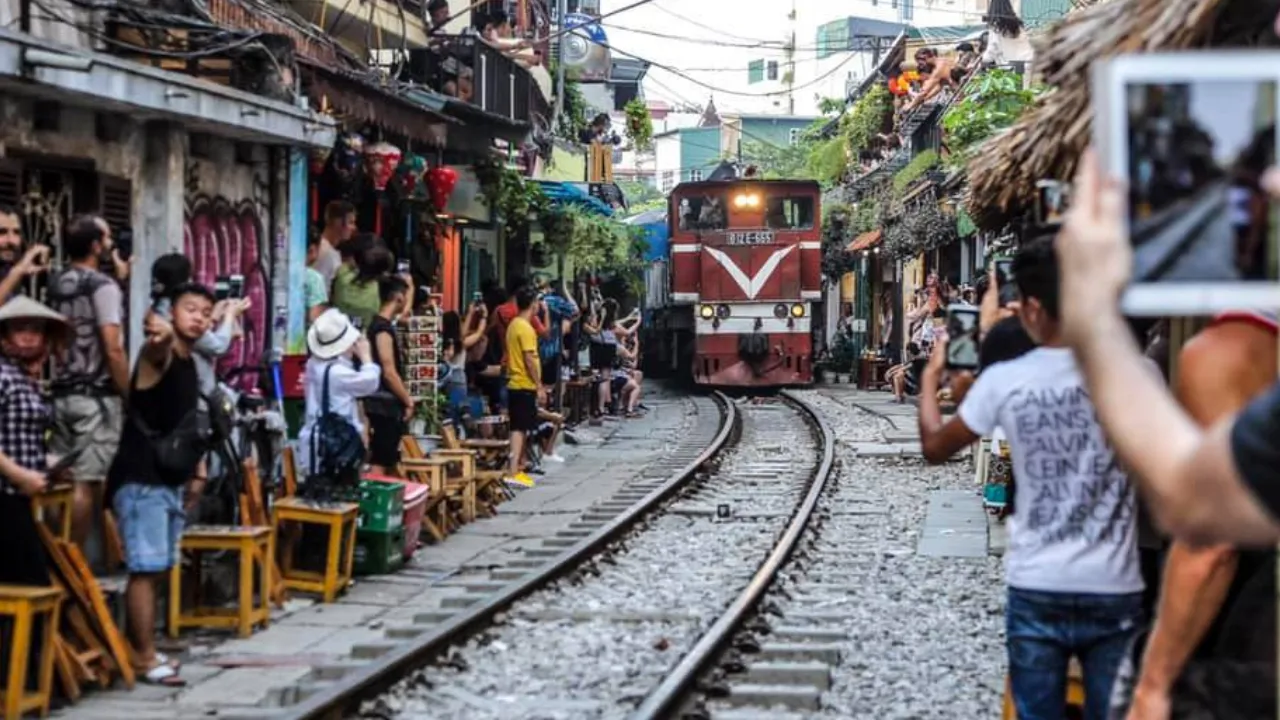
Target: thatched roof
(1047, 141)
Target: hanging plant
(639, 125)
(858, 126)
(512, 199)
(993, 102)
(916, 169)
(573, 118)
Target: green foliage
(830, 106)
(919, 165)
(639, 124)
(843, 354)
(993, 102)
(837, 231)
(865, 119)
(574, 115)
(775, 162)
(866, 217)
(512, 199)
(642, 196)
(594, 242)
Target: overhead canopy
(865, 241)
(570, 194)
(945, 34)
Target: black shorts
(385, 433)
(551, 371)
(523, 408)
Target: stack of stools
(339, 519)
(380, 537)
(21, 606)
(255, 547)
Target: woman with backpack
(340, 371)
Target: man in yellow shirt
(524, 382)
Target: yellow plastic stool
(255, 546)
(22, 604)
(340, 519)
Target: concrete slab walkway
(225, 673)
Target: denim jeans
(1043, 631)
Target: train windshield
(703, 211)
(790, 213)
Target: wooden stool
(340, 519)
(254, 545)
(1075, 692)
(23, 604)
(55, 500)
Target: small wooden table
(872, 370)
(340, 519)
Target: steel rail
(332, 702)
(664, 702)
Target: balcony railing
(467, 68)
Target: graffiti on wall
(226, 238)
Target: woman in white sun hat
(340, 352)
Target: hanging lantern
(441, 180)
(346, 155)
(319, 158)
(409, 177)
(380, 161)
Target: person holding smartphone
(1072, 570)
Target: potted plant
(842, 359)
(428, 421)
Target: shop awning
(865, 241)
(106, 82)
(355, 98)
(569, 194)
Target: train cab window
(703, 212)
(790, 213)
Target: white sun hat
(331, 335)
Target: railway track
(627, 612)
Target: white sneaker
(553, 458)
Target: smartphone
(123, 239)
(1005, 289)
(962, 337)
(402, 267)
(221, 288)
(235, 287)
(1053, 198)
(477, 298)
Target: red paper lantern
(381, 161)
(441, 180)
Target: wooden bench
(491, 461)
(256, 547)
(458, 473)
(22, 606)
(340, 521)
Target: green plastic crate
(379, 553)
(381, 506)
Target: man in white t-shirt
(1075, 587)
(339, 226)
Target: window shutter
(10, 182)
(115, 201)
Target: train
(731, 303)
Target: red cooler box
(415, 507)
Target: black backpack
(337, 450)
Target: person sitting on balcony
(497, 33)
(939, 77)
(438, 11)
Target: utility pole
(562, 9)
(791, 64)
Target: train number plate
(760, 237)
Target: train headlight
(779, 311)
(707, 312)
(797, 310)
(722, 311)
(746, 200)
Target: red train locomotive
(742, 275)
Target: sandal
(164, 675)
